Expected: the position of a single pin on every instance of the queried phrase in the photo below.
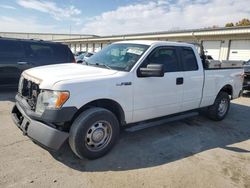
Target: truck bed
(214, 80)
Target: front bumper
(62, 115)
(40, 132)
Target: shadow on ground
(167, 143)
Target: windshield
(118, 56)
(88, 54)
(81, 55)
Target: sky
(115, 17)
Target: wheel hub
(98, 135)
(223, 107)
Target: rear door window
(62, 54)
(46, 54)
(11, 52)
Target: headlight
(50, 100)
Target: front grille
(29, 90)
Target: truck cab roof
(155, 42)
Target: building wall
(225, 43)
(91, 43)
(42, 36)
(224, 47)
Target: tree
(243, 22)
(229, 24)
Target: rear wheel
(219, 109)
(94, 133)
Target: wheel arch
(228, 89)
(108, 104)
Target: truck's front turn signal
(62, 98)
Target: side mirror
(152, 70)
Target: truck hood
(47, 76)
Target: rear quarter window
(11, 49)
(189, 59)
(63, 54)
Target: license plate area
(21, 121)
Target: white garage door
(104, 45)
(90, 47)
(240, 50)
(73, 48)
(78, 47)
(97, 47)
(84, 47)
(212, 48)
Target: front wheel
(94, 133)
(219, 109)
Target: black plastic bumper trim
(38, 131)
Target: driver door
(159, 96)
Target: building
(43, 36)
(231, 43)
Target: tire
(219, 109)
(94, 133)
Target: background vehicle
(79, 53)
(246, 84)
(84, 56)
(126, 82)
(17, 55)
(209, 57)
(79, 58)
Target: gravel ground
(194, 152)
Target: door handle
(22, 63)
(179, 81)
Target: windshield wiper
(103, 65)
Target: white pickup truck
(126, 82)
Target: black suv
(17, 55)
